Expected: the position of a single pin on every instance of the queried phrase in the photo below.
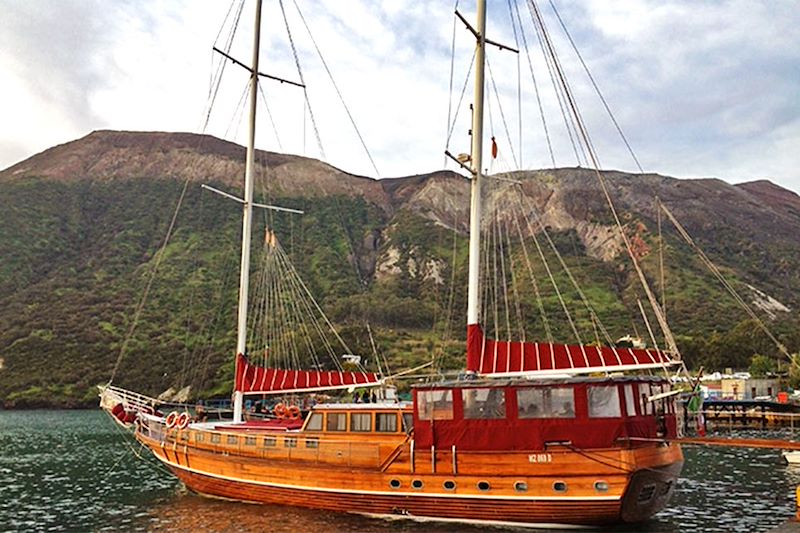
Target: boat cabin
(530, 415)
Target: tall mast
(247, 219)
(473, 298)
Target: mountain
(82, 222)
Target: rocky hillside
(81, 223)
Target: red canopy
(492, 357)
(254, 378)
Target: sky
(700, 88)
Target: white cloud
(701, 88)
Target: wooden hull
(639, 482)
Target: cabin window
(449, 485)
(290, 442)
(312, 442)
(336, 422)
(216, 438)
(483, 486)
(315, 422)
(417, 484)
(394, 483)
(198, 437)
(408, 422)
(386, 422)
(550, 402)
(233, 439)
(603, 401)
(601, 486)
(521, 486)
(361, 422)
(560, 486)
(249, 441)
(630, 400)
(484, 403)
(269, 442)
(435, 404)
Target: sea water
(76, 471)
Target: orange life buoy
(183, 420)
(171, 419)
(280, 411)
(294, 412)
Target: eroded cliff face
(81, 223)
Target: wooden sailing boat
(532, 436)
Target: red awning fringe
(252, 378)
(489, 356)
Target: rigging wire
(452, 67)
(584, 135)
(336, 87)
(236, 117)
(307, 104)
(519, 82)
(216, 80)
(597, 88)
(721, 278)
(577, 148)
(140, 306)
(269, 114)
(534, 283)
(452, 125)
(502, 114)
(661, 260)
(535, 87)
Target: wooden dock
(776, 444)
(753, 414)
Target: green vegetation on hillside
(77, 256)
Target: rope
(535, 283)
(519, 81)
(725, 283)
(502, 114)
(307, 104)
(532, 232)
(153, 271)
(450, 89)
(551, 69)
(596, 166)
(596, 88)
(452, 125)
(581, 294)
(216, 80)
(336, 87)
(661, 262)
(269, 114)
(535, 86)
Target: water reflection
(189, 512)
(73, 471)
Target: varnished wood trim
(392, 493)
